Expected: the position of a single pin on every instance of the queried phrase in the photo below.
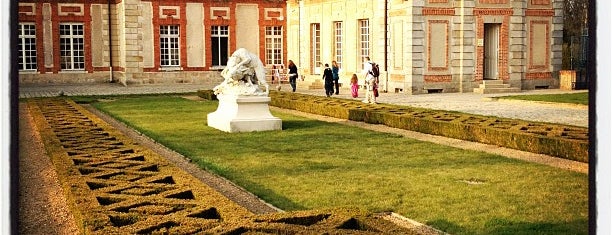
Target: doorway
(491, 51)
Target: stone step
(487, 82)
(496, 90)
(494, 85)
(317, 84)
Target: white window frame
(338, 31)
(72, 46)
(27, 47)
(169, 46)
(364, 39)
(315, 32)
(219, 32)
(274, 45)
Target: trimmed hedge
(116, 186)
(563, 141)
(207, 94)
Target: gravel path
(43, 208)
(488, 105)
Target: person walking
(328, 76)
(292, 74)
(276, 77)
(370, 81)
(354, 86)
(335, 70)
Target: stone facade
(125, 47)
(435, 45)
(421, 45)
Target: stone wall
(127, 49)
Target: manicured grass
(314, 164)
(572, 98)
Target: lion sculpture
(244, 74)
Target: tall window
(220, 45)
(169, 45)
(27, 46)
(72, 50)
(364, 39)
(274, 45)
(338, 42)
(316, 47)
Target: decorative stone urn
(243, 105)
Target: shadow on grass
(301, 124)
(270, 196)
(446, 226)
(505, 226)
(508, 227)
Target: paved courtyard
(482, 104)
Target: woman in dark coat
(329, 80)
(335, 70)
(292, 74)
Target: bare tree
(574, 32)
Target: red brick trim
(220, 13)
(30, 13)
(158, 21)
(540, 2)
(101, 69)
(85, 19)
(538, 75)
(71, 1)
(192, 69)
(547, 59)
(437, 78)
(40, 39)
(504, 40)
(429, 68)
(209, 21)
(118, 69)
(539, 12)
(269, 20)
(493, 1)
(27, 9)
(438, 11)
(70, 9)
(493, 11)
(88, 42)
(169, 12)
(273, 14)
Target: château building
(432, 45)
(422, 46)
(144, 41)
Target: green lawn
(314, 164)
(572, 98)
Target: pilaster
(518, 39)
(557, 38)
(415, 32)
(463, 39)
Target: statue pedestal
(243, 114)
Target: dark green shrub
(546, 138)
(207, 94)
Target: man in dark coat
(329, 80)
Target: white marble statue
(244, 74)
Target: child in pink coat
(354, 86)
